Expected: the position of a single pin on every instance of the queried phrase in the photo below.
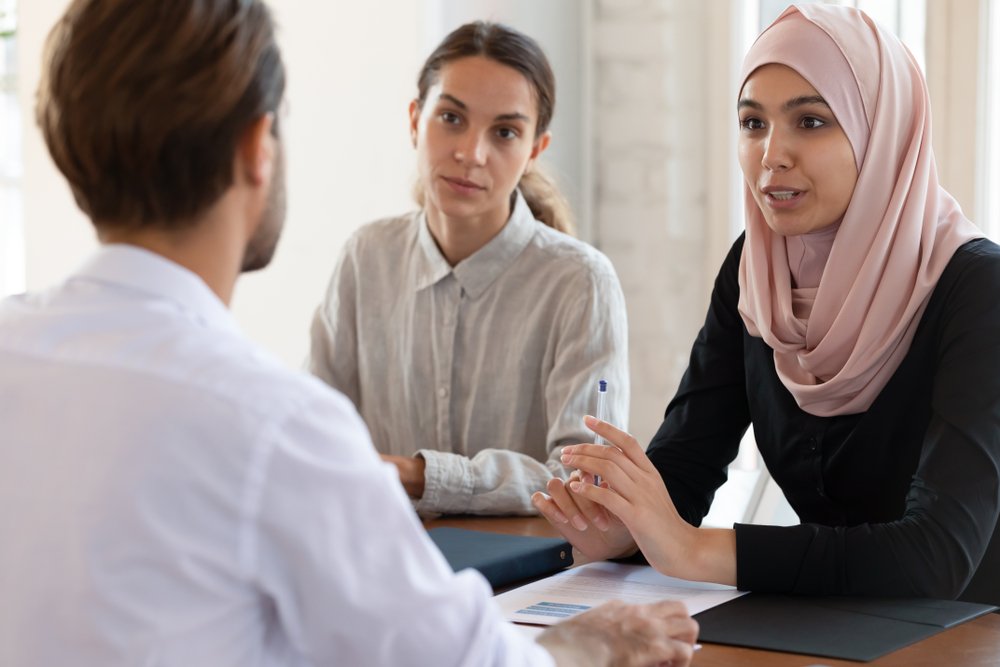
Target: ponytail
(546, 202)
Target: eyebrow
(502, 117)
(801, 100)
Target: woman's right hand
(594, 531)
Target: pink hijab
(840, 334)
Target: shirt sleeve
(333, 350)
(590, 343)
(352, 576)
(953, 502)
(704, 423)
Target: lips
(782, 196)
(462, 185)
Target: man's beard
(262, 245)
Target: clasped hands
(630, 510)
(411, 473)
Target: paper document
(556, 598)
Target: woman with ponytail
(472, 333)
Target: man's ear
(258, 150)
(414, 121)
(541, 143)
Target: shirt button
(443, 392)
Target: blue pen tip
(602, 385)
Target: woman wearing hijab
(855, 325)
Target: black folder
(502, 559)
(848, 628)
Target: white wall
(663, 120)
(352, 70)
(57, 236)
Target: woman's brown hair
(520, 52)
(142, 104)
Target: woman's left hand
(633, 490)
(411, 473)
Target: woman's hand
(586, 525)
(633, 492)
(411, 473)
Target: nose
(471, 149)
(777, 155)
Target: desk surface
(972, 644)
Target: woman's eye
(751, 123)
(812, 123)
(507, 133)
(450, 118)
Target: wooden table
(972, 644)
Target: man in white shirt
(169, 494)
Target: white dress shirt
(170, 495)
(484, 369)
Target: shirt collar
(434, 266)
(477, 272)
(137, 269)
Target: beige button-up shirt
(484, 369)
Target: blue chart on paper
(557, 609)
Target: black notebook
(849, 628)
(502, 559)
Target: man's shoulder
(247, 376)
(150, 350)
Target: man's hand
(411, 473)
(624, 635)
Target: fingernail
(565, 458)
(560, 517)
(579, 523)
(590, 421)
(575, 486)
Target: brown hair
(520, 52)
(142, 104)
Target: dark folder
(502, 559)
(833, 627)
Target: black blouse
(901, 500)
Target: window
(988, 209)
(907, 18)
(11, 232)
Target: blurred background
(643, 146)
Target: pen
(602, 414)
